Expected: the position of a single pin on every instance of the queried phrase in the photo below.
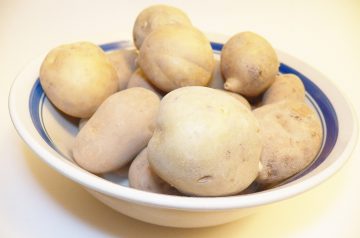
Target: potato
(292, 136)
(77, 78)
(249, 64)
(239, 98)
(176, 56)
(124, 62)
(217, 82)
(155, 17)
(143, 178)
(138, 79)
(205, 143)
(118, 130)
(285, 87)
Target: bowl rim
(25, 129)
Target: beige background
(35, 201)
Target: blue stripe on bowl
(314, 94)
(115, 45)
(216, 46)
(36, 102)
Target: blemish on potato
(205, 179)
(228, 154)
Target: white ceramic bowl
(50, 134)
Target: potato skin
(138, 79)
(249, 64)
(118, 130)
(217, 82)
(177, 56)
(124, 61)
(153, 18)
(77, 78)
(285, 87)
(206, 143)
(143, 178)
(292, 136)
(238, 97)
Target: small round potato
(138, 79)
(285, 87)
(177, 56)
(292, 136)
(249, 64)
(206, 143)
(77, 78)
(118, 130)
(124, 62)
(143, 178)
(153, 18)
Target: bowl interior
(59, 130)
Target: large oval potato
(124, 61)
(292, 136)
(77, 78)
(153, 18)
(285, 87)
(176, 56)
(249, 64)
(118, 130)
(206, 142)
(143, 178)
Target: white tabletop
(36, 201)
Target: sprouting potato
(77, 78)
(118, 130)
(249, 64)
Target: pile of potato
(182, 119)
